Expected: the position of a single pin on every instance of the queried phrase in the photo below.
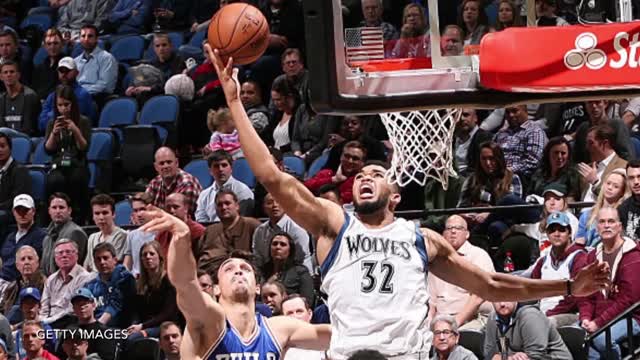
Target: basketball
(240, 31)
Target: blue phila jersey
(262, 345)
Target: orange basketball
(241, 31)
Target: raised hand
(591, 278)
(160, 221)
(227, 74)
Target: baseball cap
(30, 292)
(559, 218)
(67, 62)
(555, 188)
(23, 200)
(82, 293)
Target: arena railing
(633, 351)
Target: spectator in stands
(56, 299)
(170, 340)
(330, 192)
(528, 333)
(201, 13)
(61, 227)
(34, 342)
(98, 69)
(177, 206)
(19, 105)
(75, 16)
(598, 114)
(251, 97)
(546, 14)
(354, 156)
(113, 287)
(508, 15)
(45, 75)
(372, 11)
(30, 307)
(171, 14)
(283, 266)
(7, 348)
(614, 193)
(10, 50)
(294, 71)
(129, 16)
(563, 261)
(156, 297)
(445, 340)
(286, 101)
(137, 238)
(600, 140)
(468, 138)
(84, 306)
(623, 256)
(468, 310)
(76, 346)
(629, 210)
(273, 294)
(27, 262)
(103, 210)
(353, 128)
(556, 167)
(233, 232)
(220, 167)
(206, 282)
(279, 222)
(414, 38)
(67, 140)
(171, 179)
(522, 142)
(473, 20)
(451, 42)
(14, 180)
(67, 74)
(297, 306)
(27, 233)
(311, 131)
(224, 135)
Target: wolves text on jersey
(367, 244)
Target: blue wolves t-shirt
(261, 346)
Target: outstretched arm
(318, 216)
(292, 332)
(454, 269)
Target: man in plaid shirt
(172, 179)
(522, 142)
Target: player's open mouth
(366, 191)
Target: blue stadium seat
(194, 48)
(42, 10)
(119, 113)
(42, 21)
(77, 48)
(317, 165)
(123, 213)
(295, 164)
(242, 172)
(200, 170)
(38, 183)
(197, 39)
(40, 57)
(100, 151)
(176, 40)
(128, 49)
(40, 156)
(473, 341)
(21, 149)
(162, 112)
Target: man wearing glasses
(445, 340)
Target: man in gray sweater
(522, 332)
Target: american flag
(364, 44)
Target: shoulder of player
(336, 218)
(434, 243)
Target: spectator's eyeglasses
(65, 252)
(446, 333)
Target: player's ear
(394, 199)
(216, 290)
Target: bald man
(171, 179)
(469, 310)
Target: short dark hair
(279, 285)
(12, 34)
(356, 145)
(236, 254)
(59, 195)
(142, 197)
(367, 355)
(292, 51)
(222, 192)
(380, 163)
(298, 296)
(276, 153)
(326, 188)
(604, 132)
(90, 26)
(10, 63)
(8, 139)
(633, 164)
(104, 246)
(167, 324)
(219, 155)
(104, 199)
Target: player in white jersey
(375, 266)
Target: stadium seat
(143, 349)
(42, 21)
(21, 149)
(40, 156)
(40, 57)
(38, 183)
(197, 39)
(472, 340)
(123, 213)
(574, 337)
(194, 48)
(99, 157)
(317, 165)
(42, 10)
(162, 112)
(296, 165)
(119, 113)
(200, 170)
(128, 49)
(242, 172)
(138, 151)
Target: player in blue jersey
(228, 329)
(374, 266)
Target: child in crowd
(224, 135)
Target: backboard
(353, 70)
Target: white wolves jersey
(376, 282)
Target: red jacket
(568, 304)
(323, 177)
(164, 238)
(602, 308)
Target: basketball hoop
(422, 145)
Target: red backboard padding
(393, 64)
(562, 59)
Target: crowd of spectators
(67, 264)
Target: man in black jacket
(629, 210)
(14, 180)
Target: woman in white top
(285, 99)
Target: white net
(422, 145)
